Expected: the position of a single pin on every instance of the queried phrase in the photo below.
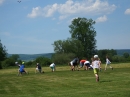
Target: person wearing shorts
(108, 62)
(82, 63)
(52, 66)
(96, 66)
(87, 65)
(74, 63)
(21, 69)
(38, 68)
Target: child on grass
(108, 63)
(53, 67)
(96, 66)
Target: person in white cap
(96, 66)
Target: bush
(63, 58)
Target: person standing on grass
(96, 67)
(108, 62)
(53, 67)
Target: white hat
(95, 56)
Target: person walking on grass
(96, 66)
(108, 62)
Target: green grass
(65, 83)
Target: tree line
(82, 44)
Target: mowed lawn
(66, 83)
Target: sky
(32, 26)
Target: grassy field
(65, 83)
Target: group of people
(22, 70)
(95, 65)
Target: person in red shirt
(82, 63)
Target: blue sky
(32, 26)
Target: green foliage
(11, 61)
(126, 55)
(82, 29)
(3, 52)
(118, 59)
(0, 66)
(14, 57)
(106, 52)
(8, 62)
(69, 46)
(30, 63)
(43, 61)
(63, 58)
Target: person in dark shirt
(38, 68)
(74, 63)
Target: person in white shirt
(52, 66)
(96, 66)
(87, 64)
(108, 62)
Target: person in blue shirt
(22, 69)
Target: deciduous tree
(82, 29)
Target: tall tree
(82, 29)
(3, 53)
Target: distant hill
(29, 57)
(122, 51)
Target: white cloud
(127, 11)
(35, 12)
(101, 19)
(70, 7)
(47, 11)
(1, 1)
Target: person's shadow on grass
(103, 81)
